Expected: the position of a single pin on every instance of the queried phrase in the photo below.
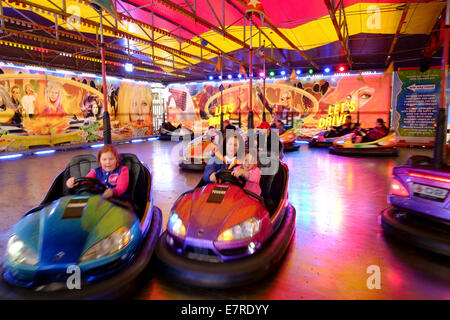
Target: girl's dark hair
(233, 135)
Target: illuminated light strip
(137, 140)
(44, 152)
(301, 142)
(153, 139)
(11, 156)
(97, 145)
(117, 64)
(12, 44)
(428, 177)
(19, 65)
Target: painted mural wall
(315, 102)
(41, 108)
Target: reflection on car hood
(62, 231)
(207, 219)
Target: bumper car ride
(382, 147)
(419, 207)
(320, 141)
(220, 235)
(288, 139)
(197, 153)
(81, 246)
(170, 132)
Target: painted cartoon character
(54, 100)
(135, 109)
(369, 94)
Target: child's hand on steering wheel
(70, 183)
(237, 172)
(108, 193)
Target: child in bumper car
(219, 161)
(114, 176)
(250, 172)
(379, 131)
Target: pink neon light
(427, 176)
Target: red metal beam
(344, 42)
(70, 36)
(116, 31)
(208, 25)
(186, 29)
(397, 33)
(231, 3)
(286, 39)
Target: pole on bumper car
(106, 119)
(250, 75)
(439, 142)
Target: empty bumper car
(288, 139)
(419, 211)
(170, 132)
(197, 153)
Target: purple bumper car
(420, 205)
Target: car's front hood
(63, 230)
(199, 148)
(205, 219)
(288, 136)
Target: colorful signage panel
(416, 97)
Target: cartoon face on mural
(5, 100)
(134, 112)
(29, 89)
(15, 94)
(141, 106)
(53, 97)
(370, 94)
(90, 106)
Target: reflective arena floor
(338, 236)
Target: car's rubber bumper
(230, 273)
(294, 146)
(319, 144)
(396, 223)
(120, 285)
(371, 152)
(192, 166)
(166, 137)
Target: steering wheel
(89, 185)
(225, 176)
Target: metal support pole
(440, 138)
(56, 26)
(221, 94)
(244, 29)
(1, 14)
(106, 120)
(250, 75)
(264, 86)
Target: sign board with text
(416, 98)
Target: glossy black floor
(338, 200)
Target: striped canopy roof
(182, 40)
